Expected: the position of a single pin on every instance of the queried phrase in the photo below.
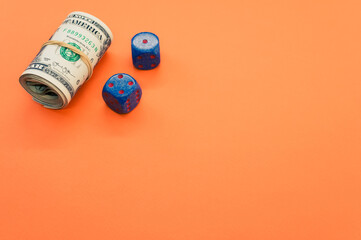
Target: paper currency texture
(56, 73)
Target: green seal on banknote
(68, 54)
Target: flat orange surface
(249, 129)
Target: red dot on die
(152, 56)
(110, 84)
(139, 57)
(130, 83)
(140, 66)
(121, 91)
(152, 65)
(120, 76)
(145, 41)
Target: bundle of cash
(57, 72)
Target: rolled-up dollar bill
(67, 60)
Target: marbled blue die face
(122, 93)
(145, 51)
(145, 41)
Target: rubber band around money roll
(82, 55)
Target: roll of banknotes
(57, 72)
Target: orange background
(249, 129)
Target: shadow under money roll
(67, 60)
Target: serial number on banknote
(82, 37)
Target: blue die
(145, 50)
(122, 93)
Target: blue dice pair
(122, 93)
